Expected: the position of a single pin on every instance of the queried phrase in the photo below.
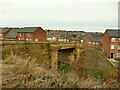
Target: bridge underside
(64, 53)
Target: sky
(75, 15)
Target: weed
(64, 68)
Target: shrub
(64, 68)
(117, 59)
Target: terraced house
(27, 34)
(91, 41)
(4, 32)
(111, 43)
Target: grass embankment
(28, 66)
(91, 70)
(92, 62)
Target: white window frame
(20, 34)
(26, 39)
(81, 40)
(29, 34)
(1, 35)
(112, 46)
(118, 39)
(36, 39)
(119, 47)
(96, 43)
(112, 39)
(118, 55)
(93, 43)
(89, 42)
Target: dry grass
(29, 67)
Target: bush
(64, 68)
(117, 59)
(92, 63)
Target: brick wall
(106, 44)
(39, 35)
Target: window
(0, 34)
(89, 42)
(112, 39)
(118, 39)
(119, 47)
(29, 34)
(12, 33)
(112, 46)
(93, 43)
(118, 55)
(96, 43)
(20, 34)
(36, 40)
(81, 40)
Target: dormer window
(29, 34)
(112, 39)
(20, 34)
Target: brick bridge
(74, 50)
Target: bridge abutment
(54, 61)
(73, 56)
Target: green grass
(64, 68)
(117, 59)
(92, 63)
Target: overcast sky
(87, 15)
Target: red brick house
(4, 32)
(27, 34)
(91, 41)
(111, 43)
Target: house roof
(28, 29)
(113, 33)
(2, 30)
(93, 39)
(14, 31)
(49, 35)
(62, 37)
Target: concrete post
(77, 53)
(54, 61)
(54, 58)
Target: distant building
(63, 39)
(91, 41)
(27, 34)
(51, 37)
(4, 32)
(111, 43)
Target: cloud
(56, 13)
